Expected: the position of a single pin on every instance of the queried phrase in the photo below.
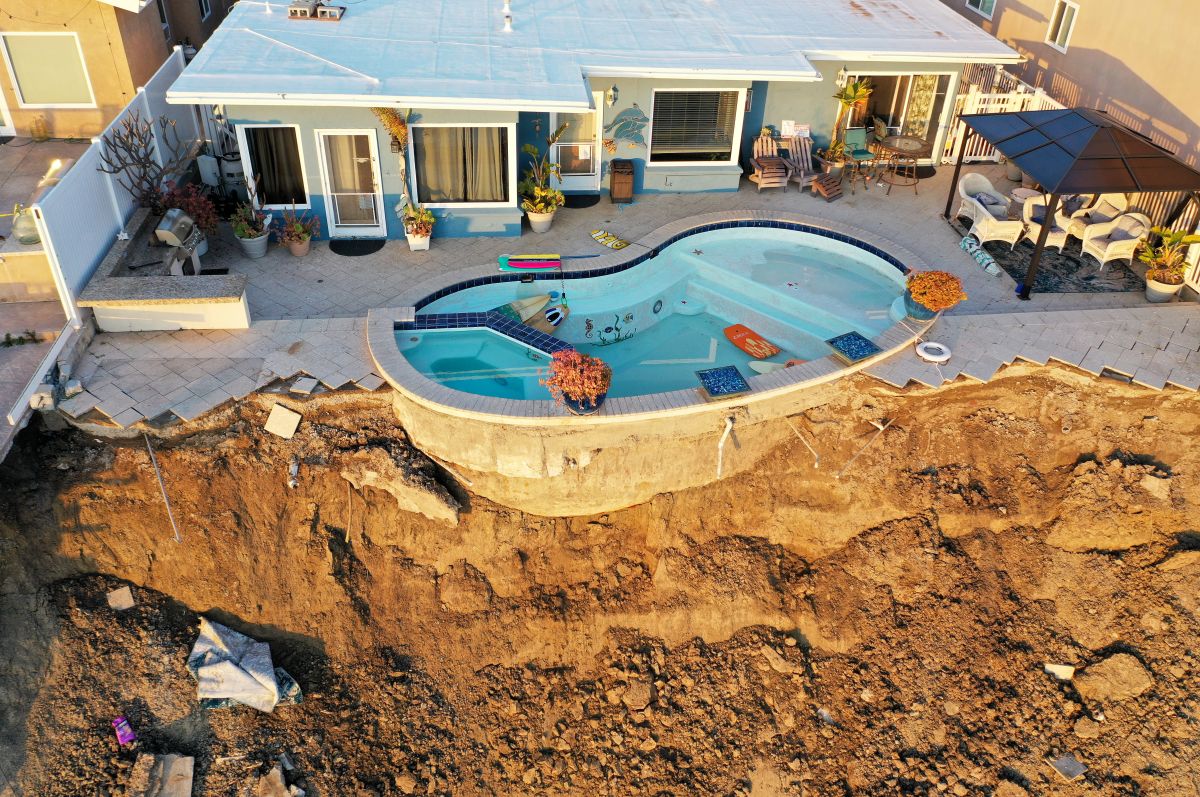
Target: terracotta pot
(540, 222)
(300, 248)
(583, 408)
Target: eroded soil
(782, 632)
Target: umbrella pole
(1036, 260)
(962, 147)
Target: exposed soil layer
(873, 628)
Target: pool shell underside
(384, 322)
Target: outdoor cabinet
(620, 186)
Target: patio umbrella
(1075, 151)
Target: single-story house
(679, 88)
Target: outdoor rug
(356, 247)
(1066, 272)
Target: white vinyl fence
(974, 100)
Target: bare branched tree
(132, 152)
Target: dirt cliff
(875, 625)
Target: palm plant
(853, 93)
(1167, 260)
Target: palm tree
(852, 94)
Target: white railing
(1017, 97)
(80, 218)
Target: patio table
(899, 155)
(909, 146)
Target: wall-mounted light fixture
(610, 95)
(843, 77)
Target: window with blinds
(693, 126)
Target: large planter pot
(917, 310)
(1012, 171)
(582, 408)
(832, 168)
(540, 222)
(1161, 292)
(417, 243)
(300, 248)
(254, 248)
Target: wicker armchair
(1116, 239)
(986, 224)
(1102, 210)
(1035, 209)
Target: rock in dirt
(1116, 678)
(413, 491)
(778, 663)
(638, 695)
(272, 784)
(161, 776)
(120, 599)
(1087, 728)
(1181, 560)
(1063, 672)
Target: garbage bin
(620, 175)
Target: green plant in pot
(195, 202)
(252, 228)
(578, 381)
(930, 292)
(418, 226)
(297, 231)
(1166, 263)
(539, 198)
(853, 94)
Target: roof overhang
(134, 6)
(1012, 57)
(372, 101)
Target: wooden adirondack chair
(799, 160)
(769, 170)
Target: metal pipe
(721, 444)
(1036, 258)
(162, 487)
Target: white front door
(577, 152)
(353, 189)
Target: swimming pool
(658, 322)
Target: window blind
(693, 125)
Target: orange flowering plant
(935, 290)
(578, 377)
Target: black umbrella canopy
(1082, 151)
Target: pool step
(768, 304)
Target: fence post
(141, 91)
(114, 203)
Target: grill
(178, 231)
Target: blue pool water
(659, 322)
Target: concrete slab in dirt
(304, 385)
(1063, 672)
(162, 776)
(282, 421)
(120, 599)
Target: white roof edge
(369, 101)
(929, 58)
(134, 6)
(811, 76)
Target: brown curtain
(461, 164)
(275, 159)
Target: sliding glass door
(909, 105)
(350, 174)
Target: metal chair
(859, 157)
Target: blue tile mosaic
(723, 382)
(852, 347)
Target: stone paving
(310, 312)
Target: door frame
(9, 129)
(356, 230)
(943, 122)
(592, 185)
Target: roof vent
(314, 9)
(330, 13)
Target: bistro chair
(859, 157)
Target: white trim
(914, 58)
(1070, 31)
(12, 73)
(739, 117)
(511, 202)
(205, 14)
(699, 73)
(9, 128)
(351, 230)
(573, 181)
(176, 97)
(980, 11)
(248, 171)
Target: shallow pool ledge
(537, 457)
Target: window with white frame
(47, 70)
(272, 159)
(1062, 22)
(205, 9)
(694, 126)
(461, 165)
(984, 7)
(162, 18)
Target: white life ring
(933, 352)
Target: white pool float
(935, 353)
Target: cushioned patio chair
(1117, 239)
(768, 168)
(987, 209)
(1104, 208)
(799, 160)
(1034, 215)
(860, 158)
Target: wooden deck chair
(769, 170)
(800, 161)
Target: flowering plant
(543, 200)
(935, 290)
(194, 202)
(418, 221)
(298, 227)
(248, 221)
(578, 377)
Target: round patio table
(902, 153)
(910, 146)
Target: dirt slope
(782, 632)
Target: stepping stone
(282, 422)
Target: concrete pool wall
(534, 456)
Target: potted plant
(930, 292)
(193, 201)
(1166, 263)
(854, 93)
(833, 158)
(577, 381)
(252, 228)
(418, 226)
(297, 231)
(540, 200)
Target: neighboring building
(1135, 61)
(678, 90)
(72, 65)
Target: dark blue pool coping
(497, 322)
(649, 253)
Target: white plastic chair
(986, 225)
(1117, 239)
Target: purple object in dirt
(125, 734)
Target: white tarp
(232, 666)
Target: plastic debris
(120, 599)
(233, 668)
(124, 730)
(1068, 767)
(1063, 672)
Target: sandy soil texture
(880, 628)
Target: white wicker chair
(1117, 239)
(986, 225)
(1057, 237)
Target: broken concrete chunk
(282, 421)
(1068, 767)
(778, 663)
(304, 385)
(1116, 678)
(1087, 728)
(1063, 672)
(161, 776)
(120, 599)
(272, 784)
(414, 490)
